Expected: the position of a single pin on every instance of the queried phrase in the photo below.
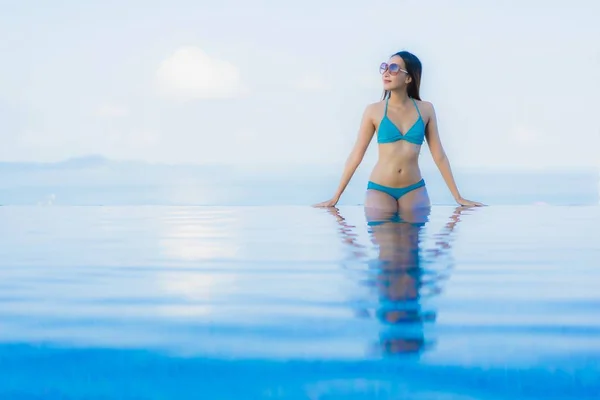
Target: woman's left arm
(439, 155)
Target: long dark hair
(414, 68)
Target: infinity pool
(299, 303)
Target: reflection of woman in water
(401, 281)
(403, 122)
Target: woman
(402, 122)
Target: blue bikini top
(388, 132)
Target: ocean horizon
(95, 180)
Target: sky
(515, 84)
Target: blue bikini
(388, 132)
(396, 193)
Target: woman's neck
(398, 97)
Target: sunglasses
(393, 68)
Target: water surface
(158, 302)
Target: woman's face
(394, 74)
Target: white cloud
(190, 73)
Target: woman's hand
(328, 203)
(468, 203)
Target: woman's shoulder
(372, 109)
(426, 108)
(424, 104)
(376, 105)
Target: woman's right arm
(365, 134)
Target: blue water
(248, 302)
